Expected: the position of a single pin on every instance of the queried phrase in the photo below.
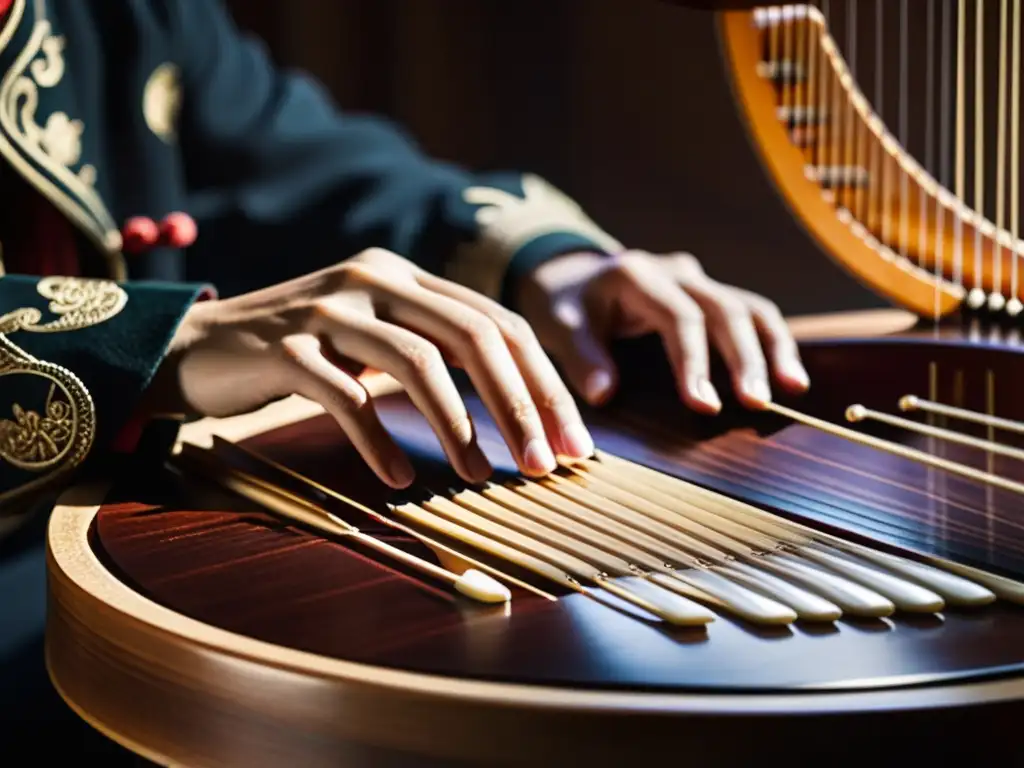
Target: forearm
(284, 183)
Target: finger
(645, 293)
(778, 340)
(562, 420)
(577, 341)
(732, 330)
(419, 367)
(347, 400)
(476, 341)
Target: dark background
(621, 103)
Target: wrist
(557, 273)
(164, 397)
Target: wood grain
(252, 642)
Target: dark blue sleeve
(77, 356)
(283, 182)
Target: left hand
(579, 302)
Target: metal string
(977, 296)
(904, 117)
(960, 192)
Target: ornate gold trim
(55, 147)
(57, 440)
(507, 223)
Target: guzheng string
(609, 529)
(223, 448)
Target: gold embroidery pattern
(59, 438)
(56, 144)
(508, 222)
(78, 304)
(161, 101)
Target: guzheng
(819, 582)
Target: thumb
(578, 346)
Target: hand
(578, 302)
(311, 336)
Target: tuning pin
(178, 230)
(139, 234)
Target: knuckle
(478, 331)
(420, 358)
(353, 272)
(292, 351)
(731, 307)
(523, 410)
(557, 401)
(767, 308)
(631, 264)
(686, 314)
(461, 427)
(687, 263)
(518, 332)
(326, 310)
(347, 397)
(376, 255)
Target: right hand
(311, 336)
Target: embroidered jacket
(113, 109)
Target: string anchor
(976, 299)
(996, 302)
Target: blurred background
(623, 104)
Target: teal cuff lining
(536, 252)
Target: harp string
(929, 144)
(876, 155)
(976, 298)
(960, 189)
(1014, 306)
(944, 155)
(904, 117)
(996, 300)
(851, 162)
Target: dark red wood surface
(218, 560)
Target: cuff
(128, 438)
(518, 233)
(76, 355)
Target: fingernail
(794, 370)
(756, 388)
(479, 467)
(597, 386)
(706, 392)
(402, 472)
(538, 456)
(577, 442)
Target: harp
(924, 208)
(863, 569)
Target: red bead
(139, 234)
(178, 230)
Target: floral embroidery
(56, 438)
(48, 152)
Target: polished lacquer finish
(222, 561)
